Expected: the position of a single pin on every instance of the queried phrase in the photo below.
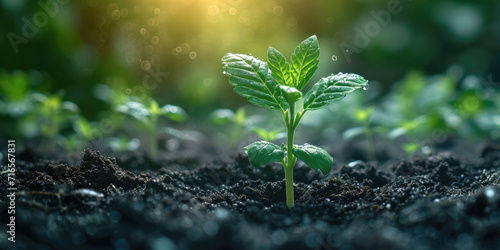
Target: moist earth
(445, 200)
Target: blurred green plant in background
(66, 65)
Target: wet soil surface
(440, 201)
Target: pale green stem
(369, 138)
(290, 157)
(154, 146)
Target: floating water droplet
(334, 58)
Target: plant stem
(289, 186)
(290, 157)
(370, 145)
(154, 146)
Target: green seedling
(269, 136)
(53, 114)
(240, 125)
(13, 92)
(410, 129)
(236, 121)
(85, 132)
(363, 116)
(122, 144)
(148, 115)
(277, 85)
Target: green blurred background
(171, 49)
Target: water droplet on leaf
(366, 87)
(334, 58)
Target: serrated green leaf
(291, 94)
(304, 62)
(280, 69)
(252, 79)
(332, 88)
(314, 157)
(174, 113)
(263, 152)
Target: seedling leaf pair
(148, 115)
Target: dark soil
(441, 201)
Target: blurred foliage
(433, 59)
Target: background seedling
(238, 124)
(277, 85)
(363, 116)
(269, 136)
(121, 144)
(53, 114)
(235, 122)
(410, 129)
(149, 115)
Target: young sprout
(269, 136)
(277, 85)
(148, 115)
(122, 144)
(53, 114)
(85, 132)
(363, 116)
(236, 121)
(409, 128)
(13, 92)
(240, 124)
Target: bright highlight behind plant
(277, 85)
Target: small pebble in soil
(279, 237)
(490, 192)
(354, 163)
(221, 213)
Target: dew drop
(366, 87)
(334, 58)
